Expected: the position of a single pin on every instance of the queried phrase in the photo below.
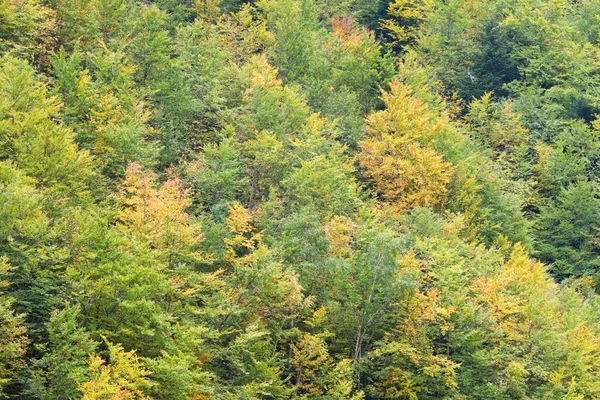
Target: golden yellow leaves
(530, 311)
(157, 216)
(261, 281)
(310, 354)
(245, 238)
(263, 74)
(517, 284)
(405, 18)
(317, 373)
(395, 155)
(207, 9)
(124, 378)
(339, 234)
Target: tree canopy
(299, 199)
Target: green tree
(30, 137)
(567, 231)
(13, 340)
(218, 175)
(65, 363)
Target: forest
(299, 199)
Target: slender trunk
(358, 344)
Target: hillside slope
(299, 199)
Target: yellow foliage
(158, 217)
(349, 37)
(263, 74)
(29, 29)
(509, 294)
(395, 156)
(406, 116)
(468, 199)
(405, 18)
(524, 304)
(244, 34)
(508, 132)
(289, 286)
(421, 307)
(317, 375)
(398, 382)
(317, 318)
(339, 234)
(245, 238)
(123, 378)
(499, 125)
(207, 9)
(310, 354)
(343, 29)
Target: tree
(122, 376)
(263, 299)
(365, 285)
(13, 340)
(27, 240)
(358, 63)
(403, 20)
(28, 29)
(317, 375)
(105, 109)
(218, 175)
(395, 155)
(31, 138)
(64, 365)
(567, 231)
(158, 218)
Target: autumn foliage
(397, 153)
(299, 199)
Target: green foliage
(109, 120)
(567, 230)
(27, 29)
(299, 199)
(26, 241)
(13, 341)
(218, 176)
(30, 137)
(64, 365)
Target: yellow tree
(244, 238)
(157, 216)
(318, 375)
(542, 331)
(397, 155)
(404, 18)
(124, 377)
